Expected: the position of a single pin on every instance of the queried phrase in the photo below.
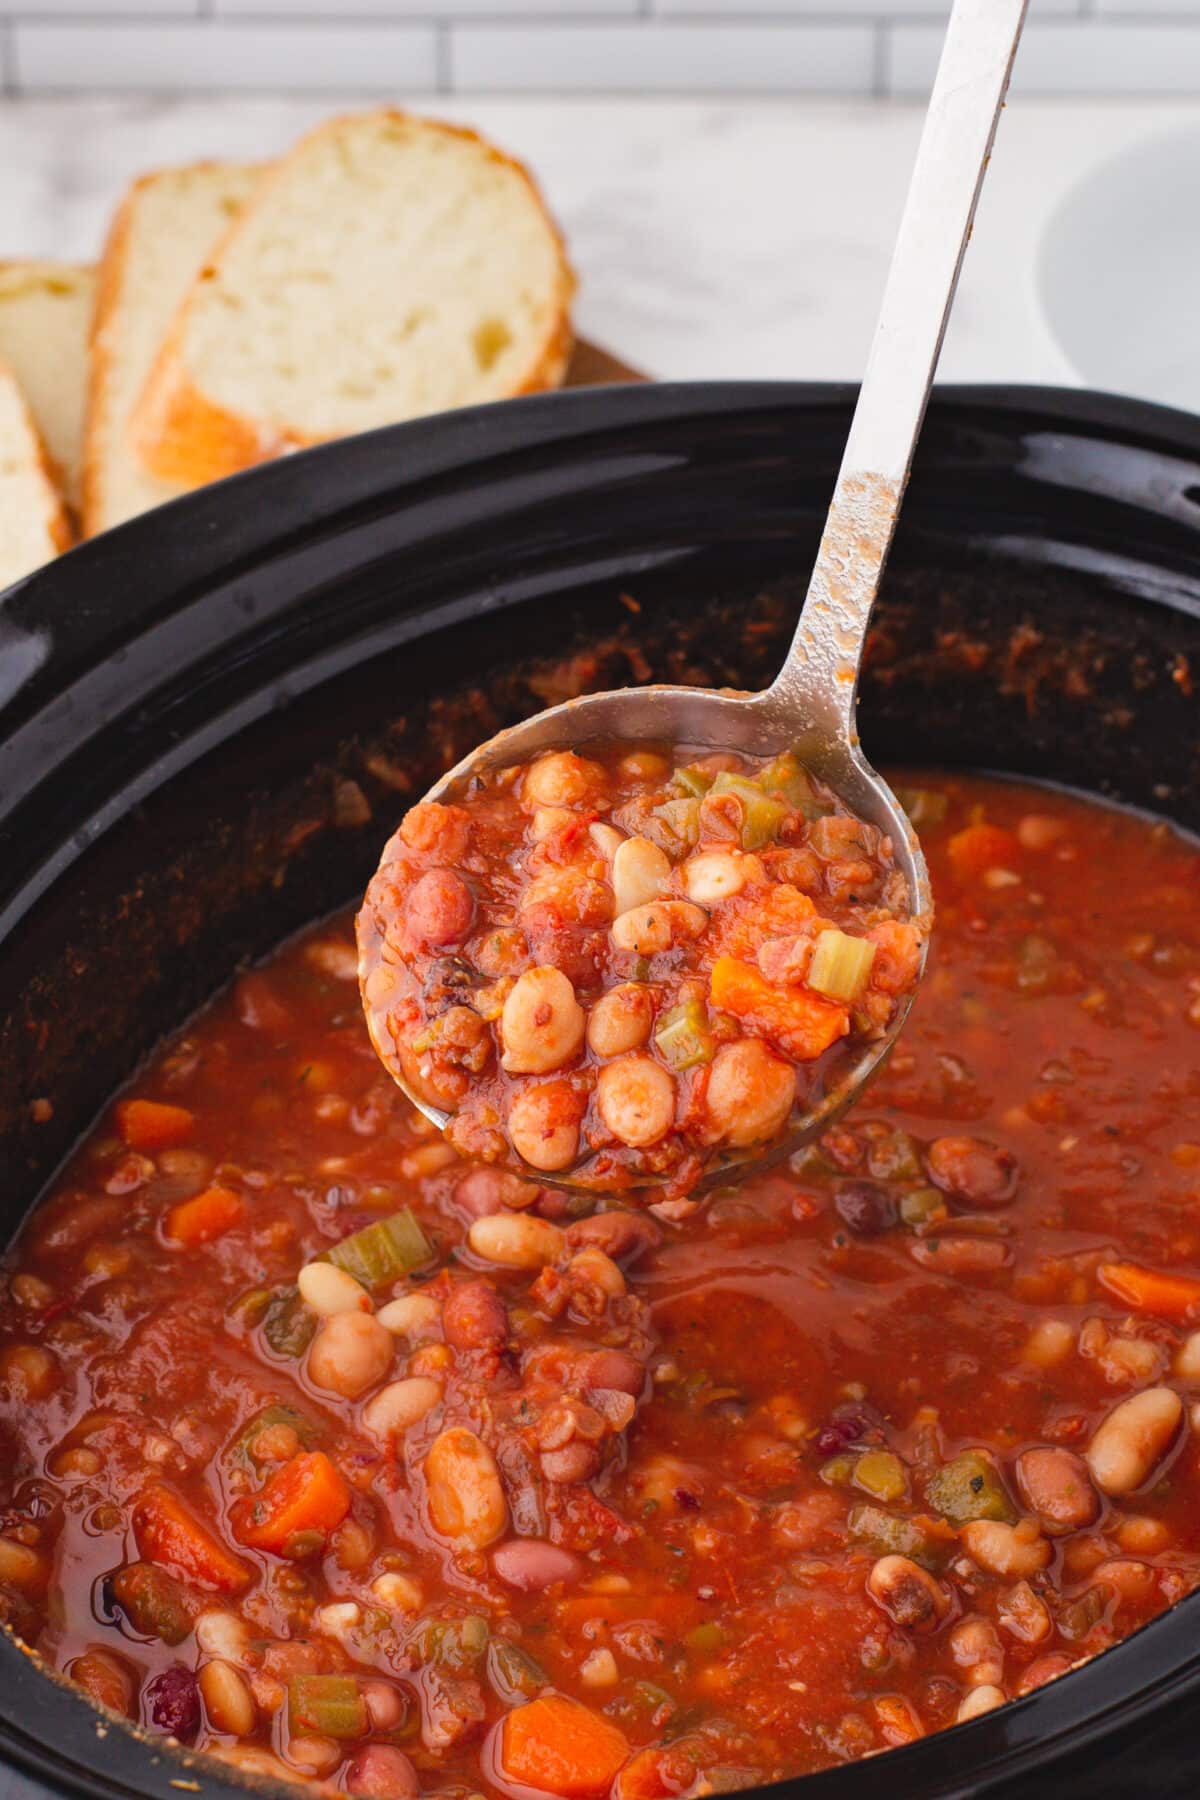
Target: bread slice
(33, 519)
(161, 237)
(45, 315)
(388, 266)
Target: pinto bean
(1043, 1669)
(382, 1772)
(574, 1462)
(1056, 1487)
(228, 1703)
(473, 1317)
(1012, 1550)
(531, 1564)
(907, 1593)
(1128, 1446)
(104, 1677)
(485, 1191)
(466, 1498)
(437, 830)
(516, 1240)
(960, 1255)
(621, 1235)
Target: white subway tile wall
(837, 47)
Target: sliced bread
(45, 314)
(33, 520)
(161, 237)
(387, 267)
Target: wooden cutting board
(591, 366)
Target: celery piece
(787, 777)
(922, 1205)
(456, 1644)
(384, 1250)
(678, 825)
(330, 1705)
(152, 1601)
(289, 1324)
(513, 1674)
(761, 816)
(894, 1157)
(840, 965)
(683, 1038)
(881, 1474)
(970, 1487)
(692, 781)
(250, 1308)
(888, 1535)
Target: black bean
(865, 1208)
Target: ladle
(811, 705)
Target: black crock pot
(208, 719)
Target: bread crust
(183, 437)
(57, 519)
(16, 274)
(110, 279)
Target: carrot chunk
(153, 1124)
(802, 1024)
(979, 848)
(307, 1495)
(205, 1217)
(1149, 1291)
(560, 1747)
(169, 1533)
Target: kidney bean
(865, 1208)
(381, 1772)
(1057, 1488)
(621, 1235)
(482, 1192)
(172, 1703)
(614, 1369)
(473, 1317)
(531, 1564)
(438, 910)
(973, 1171)
(574, 1462)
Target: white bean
(542, 1023)
(1127, 1447)
(1012, 1550)
(711, 876)
(750, 1093)
(400, 1404)
(547, 820)
(410, 1315)
(466, 1499)
(620, 1020)
(222, 1634)
(635, 1096)
(330, 1290)
(561, 779)
(640, 872)
(606, 838)
(516, 1240)
(350, 1353)
(597, 1269)
(1187, 1358)
(646, 930)
(982, 1699)
(543, 1125)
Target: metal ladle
(811, 705)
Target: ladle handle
(818, 682)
